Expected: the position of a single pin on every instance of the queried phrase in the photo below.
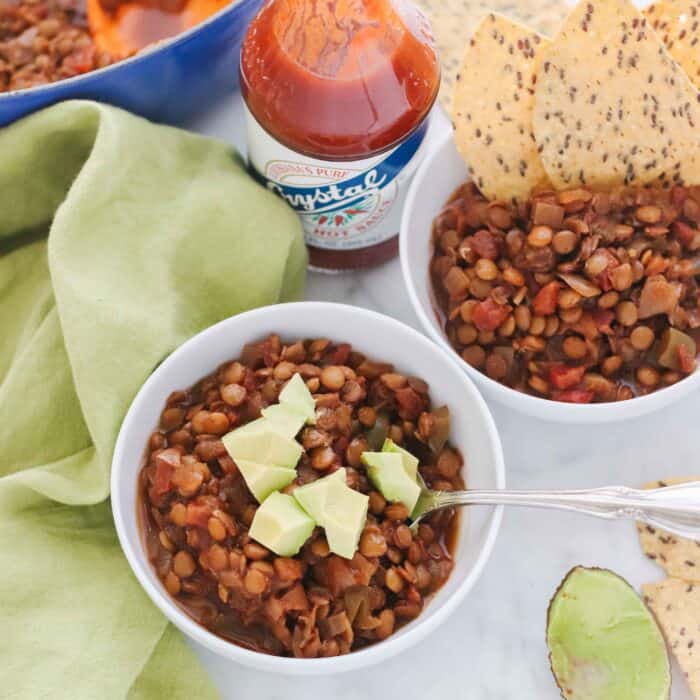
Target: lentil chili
(42, 41)
(196, 508)
(575, 296)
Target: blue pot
(172, 82)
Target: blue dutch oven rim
(143, 55)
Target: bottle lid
(341, 78)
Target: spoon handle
(673, 508)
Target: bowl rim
(364, 657)
(142, 55)
(526, 403)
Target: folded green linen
(119, 239)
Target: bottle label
(343, 205)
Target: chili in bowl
(187, 514)
(578, 343)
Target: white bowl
(442, 171)
(380, 337)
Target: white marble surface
(493, 648)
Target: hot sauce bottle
(337, 94)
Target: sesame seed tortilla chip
(612, 107)
(676, 606)
(492, 112)
(677, 22)
(453, 21)
(676, 555)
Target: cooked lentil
(196, 508)
(595, 294)
(42, 41)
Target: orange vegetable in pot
(122, 27)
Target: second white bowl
(442, 171)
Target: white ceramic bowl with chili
(381, 338)
(440, 174)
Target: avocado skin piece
(410, 462)
(604, 644)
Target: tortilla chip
(612, 107)
(677, 22)
(678, 556)
(453, 21)
(492, 111)
(676, 605)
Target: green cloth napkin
(119, 239)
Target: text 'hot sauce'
(338, 92)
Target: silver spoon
(673, 508)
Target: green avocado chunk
(340, 510)
(263, 479)
(296, 395)
(389, 475)
(345, 514)
(281, 525)
(604, 644)
(410, 463)
(312, 497)
(286, 420)
(265, 447)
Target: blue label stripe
(339, 195)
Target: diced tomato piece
(198, 514)
(602, 319)
(573, 396)
(678, 196)
(545, 301)
(340, 354)
(684, 233)
(564, 377)
(486, 244)
(411, 405)
(686, 361)
(164, 473)
(166, 463)
(340, 575)
(488, 315)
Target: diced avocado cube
(340, 510)
(388, 474)
(264, 447)
(312, 497)
(286, 420)
(604, 644)
(263, 479)
(281, 525)
(263, 424)
(410, 463)
(345, 514)
(296, 395)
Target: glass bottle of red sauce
(338, 93)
